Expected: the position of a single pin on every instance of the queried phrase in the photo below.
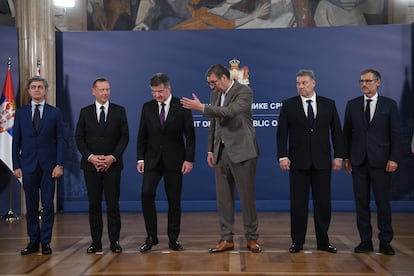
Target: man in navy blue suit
(307, 125)
(37, 151)
(371, 131)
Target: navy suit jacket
(305, 146)
(112, 139)
(173, 143)
(378, 141)
(45, 147)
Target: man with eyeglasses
(232, 152)
(101, 136)
(38, 155)
(371, 131)
(165, 149)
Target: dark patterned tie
(36, 118)
(102, 117)
(311, 115)
(162, 114)
(368, 111)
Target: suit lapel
(299, 107)
(171, 112)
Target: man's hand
(140, 167)
(337, 164)
(187, 167)
(391, 166)
(193, 104)
(57, 171)
(210, 159)
(284, 164)
(18, 173)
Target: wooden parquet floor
(200, 232)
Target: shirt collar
(98, 105)
(313, 98)
(374, 98)
(167, 102)
(42, 103)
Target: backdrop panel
(272, 57)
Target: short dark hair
(376, 74)
(38, 78)
(219, 70)
(306, 72)
(160, 78)
(100, 79)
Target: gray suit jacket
(232, 124)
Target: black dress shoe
(46, 250)
(386, 249)
(94, 248)
(329, 248)
(116, 247)
(295, 248)
(175, 245)
(147, 245)
(364, 247)
(30, 248)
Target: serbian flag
(7, 111)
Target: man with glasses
(371, 131)
(232, 152)
(165, 149)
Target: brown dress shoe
(253, 246)
(222, 246)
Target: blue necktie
(162, 114)
(102, 117)
(311, 115)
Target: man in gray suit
(232, 152)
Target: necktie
(368, 111)
(311, 115)
(162, 114)
(102, 117)
(36, 118)
(223, 98)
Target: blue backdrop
(273, 56)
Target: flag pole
(10, 215)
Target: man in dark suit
(102, 135)
(37, 150)
(371, 131)
(165, 148)
(307, 123)
(232, 152)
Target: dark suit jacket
(110, 140)
(173, 143)
(44, 147)
(379, 141)
(232, 124)
(304, 146)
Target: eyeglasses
(367, 81)
(212, 83)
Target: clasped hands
(102, 162)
